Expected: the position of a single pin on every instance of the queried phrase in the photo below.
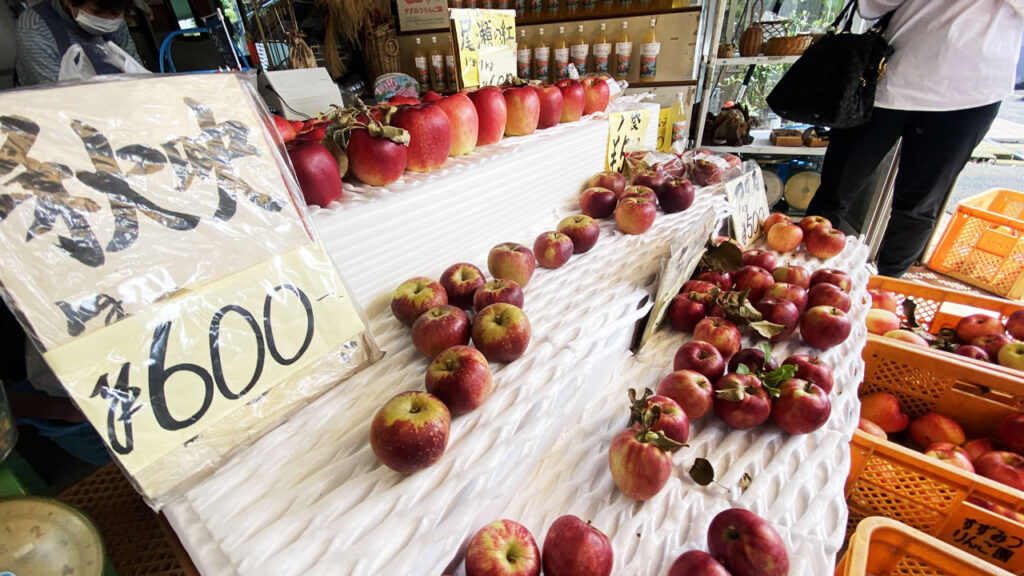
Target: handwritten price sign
(747, 196)
(626, 131)
(486, 43)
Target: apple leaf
(767, 329)
(745, 481)
(731, 394)
(702, 472)
(738, 308)
(725, 257)
(662, 442)
(743, 369)
(767, 349)
(773, 380)
(944, 340)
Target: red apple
(684, 312)
(760, 258)
(741, 401)
(639, 468)
(883, 299)
(673, 420)
(885, 410)
(640, 192)
(598, 202)
(502, 332)
(776, 218)
(825, 244)
(609, 180)
(781, 312)
(495, 291)
(785, 237)
(832, 276)
(375, 161)
(824, 327)
(430, 135)
(512, 261)
(720, 279)
(690, 389)
(1015, 324)
(881, 321)
(698, 286)
(1011, 432)
(523, 110)
(440, 328)
(701, 357)
(813, 369)
(973, 352)
(582, 229)
(551, 104)
(992, 343)
(1005, 467)
(316, 170)
(950, 454)
(414, 297)
(461, 282)
(460, 377)
(976, 325)
(595, 94)
(829, 295)
(809, 223)
(752, 278)
(492, 114)
(747, 545)
(675, 195)
(1012, 356)
(697, 563)
(906, 336)
(977, 447)
(649, 178)
(552, 249)
(634, 215)
(572, 100)
(573, 547)
(410, 432)
(791, 274)
(801, 408)
(753, 359)
(464, 122)
(285, 130)
(503, 548)
(720, 333)
(869, 427)
(788, 292)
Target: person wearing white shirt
(953, 62)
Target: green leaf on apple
(743, 369)
(662, 442)
(702, 472)
(772, 381)
(767, 330)
(767, 349)
(725, 257)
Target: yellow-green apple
(550, 106)
(684, 312)
(440, 328)
(790, 293)
(650, 178)
(781, 312)
(598, 202)
(675, 195)
(747, 545)
(992, 343)
(460, 377)
(503, 548)
(502, 332)
(760, 258)
(492, 114)
(885, 410)
(639, 467)
(880, 321)
(410, 432)
(824, 294)
(753, 278)
(1001, 466)
(696, 562)
(906, 336)
(950, 454)
(825, 244)
(753, 359)
(377, 161)
(465, 125)
(552, 249)
(583, 230)
(869, 427)
(415, 296)
(512, 261)
(672, 419)
(572, 99)
(813, 369)
(701, 357)
(801, 408)
(610, 180)
(977, 447)
(573, 547)
(461, 282)
(316, 170)
(785, 237)
(976, 325)
(523, 110)
(634, 215)
(1015, 324)
(640, 192)
(776, 218)
(720, 279)
(741, 401)
(595, 94)
(824, 326)
(832, 276)
(1011, 432)
(808, 223)
(883, 299)
(1012, 355)
(285, 130)
(430, 135)
(720, 333)
(792, 274)
(690, 389)
(495, 291)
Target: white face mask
(97, 25)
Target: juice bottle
(523, 56)
(602, 51)
(554, 6)
(589, 4)
(649, 49)
(520, 7)
(561, 55)
(436, 66)
(541, 58)
(572, 5)
(623, 53)
(536, 6)
(579, 51)
(419, 57)
(450, 71)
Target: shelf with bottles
(433, 65)
(569, 11)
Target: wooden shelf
(763, 145)
(750, 60)
(653, 8)
(662, 83)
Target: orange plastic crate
(887, 479)
(983, 244)
(881, 546)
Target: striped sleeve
(37, 60)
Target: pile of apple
(740, 543)
(634, 206)
(816, 233)
(979, 336)
(941, 437)
(572, 547)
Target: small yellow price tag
(626, 131)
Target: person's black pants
(936, 146)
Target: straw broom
(346, 18)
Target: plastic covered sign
(155, 246)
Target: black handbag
(833, 83)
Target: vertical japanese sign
(486, 44)
(626, 133)
(749, 202)
(422, 14)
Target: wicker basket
(775, 28)
(787, 45)
(380, 50)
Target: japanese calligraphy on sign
(973, 528)
(626, 133)
(422, 14)
(749, 202)
(486, 43)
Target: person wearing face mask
(49, 28)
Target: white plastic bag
(75, 65)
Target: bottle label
(422, 72)
(536, 5)
(553, 5)
(561, 63)
(601, 53)
(572, 4)
(589, 4)
(623, 58)
(542, 62)
(449, 62)
(437, 69)
(579, 57)
(523, 63)
(649, 59)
